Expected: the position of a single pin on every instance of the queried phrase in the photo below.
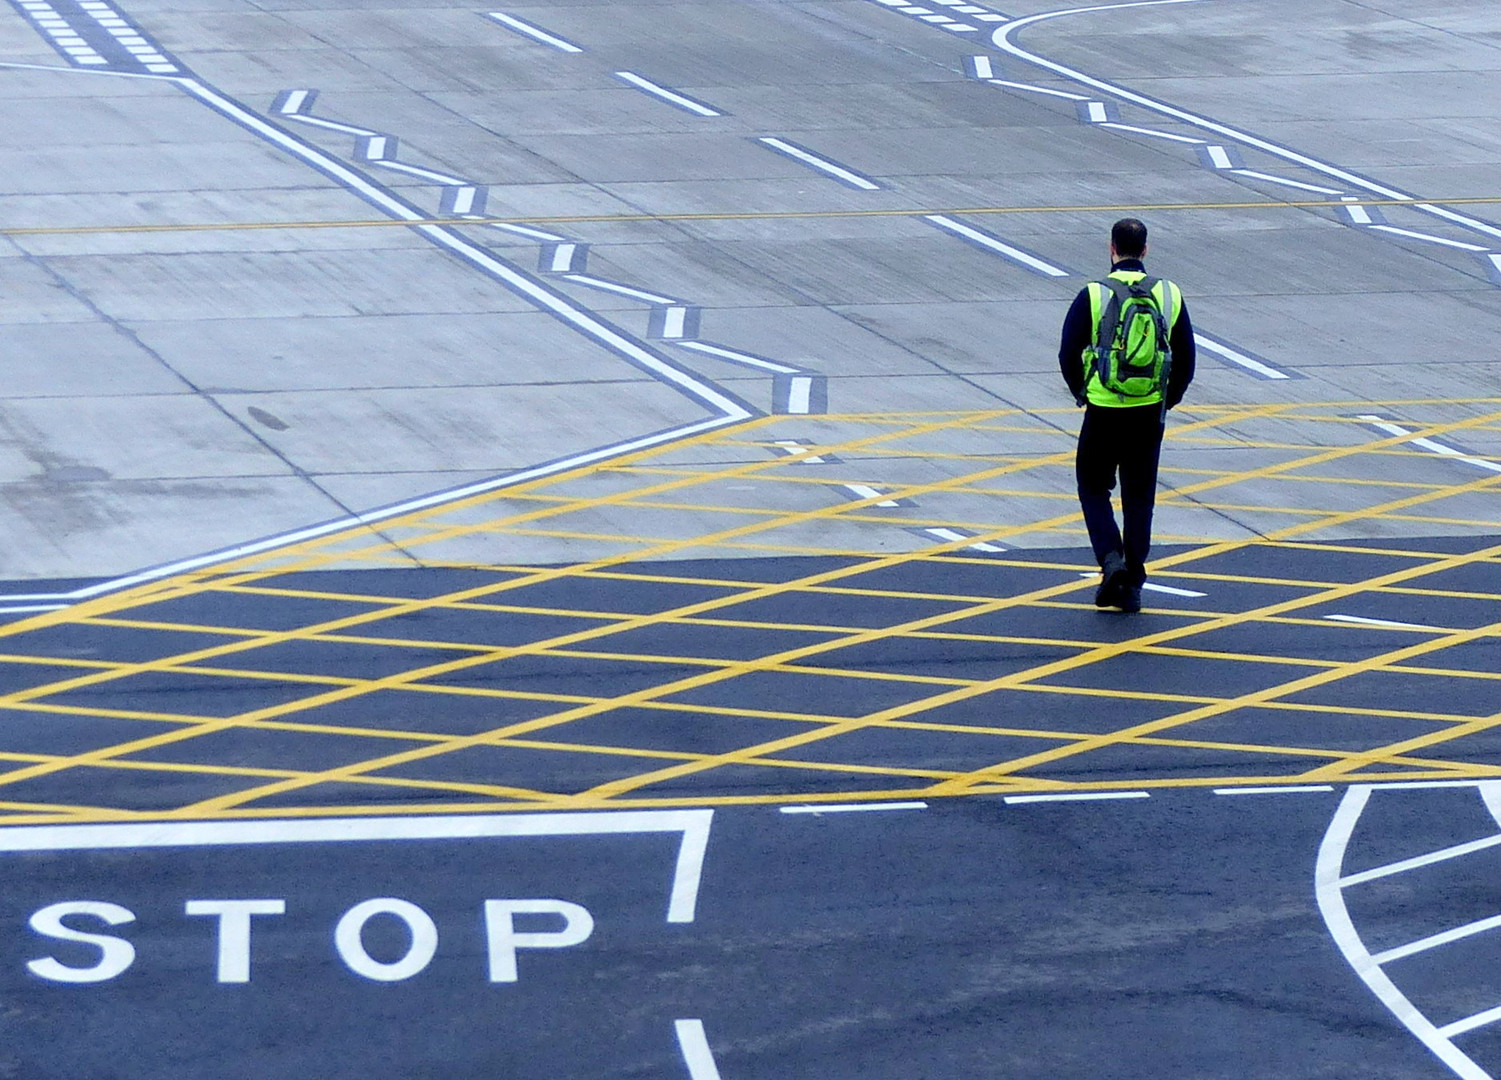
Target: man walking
(1128, 356)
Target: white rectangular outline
(681, 905)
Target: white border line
(687, 872)
(672, 97)
(694, 1044)
(536, 33)
(991, 243)
(838, 172)
(851, 808)
(1078, 796)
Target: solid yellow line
(732, 215)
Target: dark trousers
(1128, 441)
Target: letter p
(504, 940)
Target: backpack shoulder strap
(1110, 314)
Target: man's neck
(1128, 262)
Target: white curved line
(1490, 794)
(1329, 892)
(1002, 40)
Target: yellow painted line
(1267, 203)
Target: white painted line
(864, 491)
(1037, 89)
(852, 808)
(1096, 112)
(937, 19)
(1153, 587)
(670, 96)
(1078, 796)
(1361, 620)
(1002, 40)
(1266, 371)
(621, 290)
(1459, 1027)
(985, 240)
(969, 9)
(1358, 215)
(420, 173)
(1219, 157)
(1293, 789)
(954, 537)
(347, 129)
(1429, 237)
(693, 824)
(1433, 941)
(800, 451)
(1442, 855)
(1495, 261)
(982, 67)
(673, 320)
(695, 1047)
(1269, 178)
(800, 399)
(738, 357)
(836, 171)
(375, 148)
(562, 257)
(728, 411)
(536, 33)
(1431, 446)
(1153, 132)
(1329, 891)
(961, 28)
(915, 10)
(31, 608)
(522, 230)
(990, 18)
(463, 199)
(293, 103)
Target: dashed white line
(740, 358)
(1235, 356)
(421, 173)
(1431, 446)
(1270, 179)
(953, 536)
(1361, 620)
(1096, 112)
(1152, 132)
(1430, 238)
(839, 172)
(536, 33)
(620, 290)
(852, 808)
(864, 491)
(1078, 796)
(672, 97)
(1219, 157)
(1037, 89)
(1152, 586)
(981, 67)
(1358, 215)
(985, 240)
(695, 1047)
(800, 401)
(1291, 789)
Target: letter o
(350, 943)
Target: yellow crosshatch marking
(746, 627)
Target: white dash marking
(1153, 132)
(463, 200)
(1078, 796)
(695, 1047)
(1357, 214)
(943, 221)
(1008, 84)
(992, 17)
(332, 125)
(864, 491)
(983, 67)
(1433, 941)
(961, 28)
(1481, 1019)
(620, 290)
(739, 357)
(1292, 789)
(798, 450)
(375, 149)
(421, 173)
(1300, 185)
(852, 808)
(1361, 620)
(1418, 861)
(1097, 113)
(1153, 587)
(1429, 237)
(536, 33)
(1431, 446)
(522, 230)
(294, 103)
(1250, 363)
(854, 179)
(672, 322)
(1219, 157)
(642, 83)
(800, 400)
(562, 257)
(953, 537)
(31, 608)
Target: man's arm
(1076, 334)
(1185, 355)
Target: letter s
(115, 954)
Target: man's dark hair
(1129, 238)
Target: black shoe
(1130, 598)
(1112, 582)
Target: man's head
(1128, 239)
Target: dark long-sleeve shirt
(1078, 328)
